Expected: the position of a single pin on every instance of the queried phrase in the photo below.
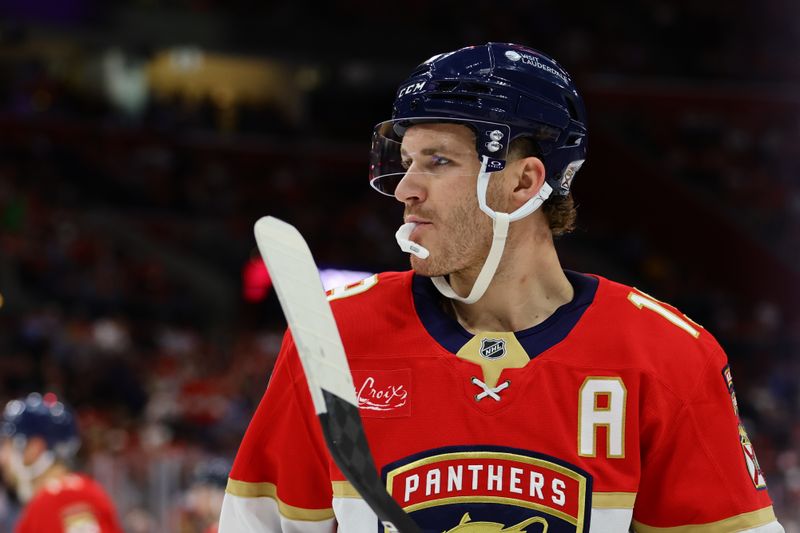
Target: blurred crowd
(123, 234)
(734, 149)
(743, 162)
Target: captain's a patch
(490, 488)
(750, 460)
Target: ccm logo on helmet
(411, 89)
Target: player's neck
(55, 472)
(527, 288)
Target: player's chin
(426, 267)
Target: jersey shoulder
(366, 291)
(645, 332)
(373, 299)
(69, 503)
(624, 306)
(378, 315)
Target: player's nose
(411, 188)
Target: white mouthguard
(410, 246)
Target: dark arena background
(140, 140)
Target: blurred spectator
(199, 507)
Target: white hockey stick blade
(308, 313)
(297, 282)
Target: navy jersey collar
(452, 336)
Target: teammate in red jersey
(500, 392)
(40, 437)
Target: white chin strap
(501, 221)
(26, 474)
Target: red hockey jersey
(71, 504)
(616, 412)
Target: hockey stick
(308, 313)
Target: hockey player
(40, 437)
(500, 392)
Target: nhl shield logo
(493, 348)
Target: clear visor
(435, 147)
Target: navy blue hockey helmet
(45, 417)
(504, 92)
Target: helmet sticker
(569, 173)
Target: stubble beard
(461, 246)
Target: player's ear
(529, 175)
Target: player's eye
(426, 164)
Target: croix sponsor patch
(383, 393)
(493, 348)
(488, 489)
(750, 460)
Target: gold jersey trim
(243, 489)
(740, 522)
(343, 489)
(613, 500)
